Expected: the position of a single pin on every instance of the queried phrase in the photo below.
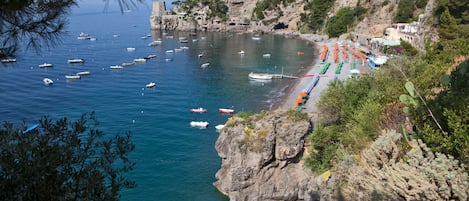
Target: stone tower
(156, 18)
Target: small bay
(174, 161)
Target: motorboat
(128, 63)
(47, 81)
(198, 110)
(201, 124)
(205, 65)
(184, 47)
(219, 127)
(177, 49)
(168, 59)
(154, 43)
(84, 36)
(10, 60)
(130, 49)
(200, 55)
(256, 38)
(116, 67)
(75, 61)
(151, 56)
(150, 85)
(72, 76)
(45, 65)
(84, 73)
(266, 55)
(169, 51)
(226, 110)
(242, 52)
(140, 60)
(260, 76)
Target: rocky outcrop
(393, 168)
(261, 158)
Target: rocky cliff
(261, 158)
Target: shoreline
(287, 101)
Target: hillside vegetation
(424, 96)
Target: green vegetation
(318, 11)
(296, 116)
(408, 10)
(217, 7)
(343, 20)
(424, 95)
(270, 5)
(63, 160)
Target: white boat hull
(201, 124)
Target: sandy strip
(303, 82)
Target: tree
(37, 23)
(63, 160)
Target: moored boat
(226, 110)
(47, 81)
(205, 65)
(75, 61)
(150, 85)
(9, 60)
(45, 65)
(169, 51)
(84, 73)
(219, 127)
(201, 124)
(140, 60)
(198, 110)
(260, 76)
(116, 67)
(72, 76)
(130, 49)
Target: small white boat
(226, 110)
(220, 126)
(128, 63)
(198, 110)
(47, 81)
(201, 124)
(195, 40)
(200, 55)
(130, 49)
(140, 60)
(151, 56)
(75, 61)
(10, 60)
(45, 65)
(205, 65)
(150, 85)
(83, 36)
(177, 49)
(183, 41)
(115, 35)
(72, 76)
(116, 67)
(266, 55)
(260, 76)
(169, 51)
(169, 36)
(154, 43)
(168, 59)
(184, 47)
(84, 73)
(242, 52)
(256, 38)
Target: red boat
(198, 110)
(226, 110)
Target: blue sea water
(174, 160)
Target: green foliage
(318, 11)
(409, 50)
(343, 20)
(406, 8)
(458, 8)
(244, 115)
(324, 143)
(63, 160)
(296, 116)
(270, 5)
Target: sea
(173, 160)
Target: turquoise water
(174, 161)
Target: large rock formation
(261, 158)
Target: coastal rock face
(261, 159)
(386, 171)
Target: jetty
(269, 76)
